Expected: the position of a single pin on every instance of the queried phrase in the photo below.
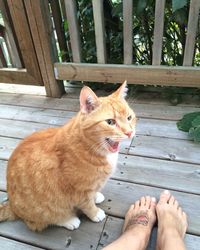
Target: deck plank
(21, 124)
(145, 110)
(7, 145)
(54, 238)
(9, 244)
(39, 115)
(112, 231)
(160, 157)
(86, 237)
(166, 148)
(159, 173)
(3, 168)
(120, 195)
(151, 172)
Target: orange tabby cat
(56, 172)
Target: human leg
(172, 223)
(138, 224)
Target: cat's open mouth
(113, 146)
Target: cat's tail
(6, 212)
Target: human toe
(152, 202)
(176, 204)
(171, 200)
(142, 201)
(164, 196)
(137, 204)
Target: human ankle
(141, 234)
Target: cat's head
(106, 120)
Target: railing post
(99, 30)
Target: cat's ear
(122, 91)
(88, 100)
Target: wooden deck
(159, 157)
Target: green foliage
(174, 37)
(191, 123)
(194, 133)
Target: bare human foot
(172, 223)
(138, 224)
(140, 219)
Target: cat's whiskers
(96, 146)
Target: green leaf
(65, 25)
(186, 122)
(178, 4)
(196, 121)
(194, 133)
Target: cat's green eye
(129, 117)
(111, 121)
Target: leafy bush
(175, 30)
(191, 123)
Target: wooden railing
(28, 32)
(155, 74)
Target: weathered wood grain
(9, 244)
(144, 110)
(71, 12)
(159, 173)
(138, 175)
(28, 120)
(158, 98)
(112, 231)
(151, 172)
(166, 148)
(54, 238)
(44, 41)
(191, 32)
(128, 31)
(3, 167)
(158, 31)
(16, 76)
(120, 195)
(9, 37)
(21, 26)
(40, 101)
(7, 145)
(159, 128)
(113, 73)
(57, 17)
(45, 116)
(100, 34)
(163, 112)
(20, 129)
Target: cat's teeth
(113, 146)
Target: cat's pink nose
(129, 133)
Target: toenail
(166, 192)
(153, 199)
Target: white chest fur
(112, 160)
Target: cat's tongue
(114, 146)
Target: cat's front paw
(100, 215)
(99, 197)
(72, 223)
